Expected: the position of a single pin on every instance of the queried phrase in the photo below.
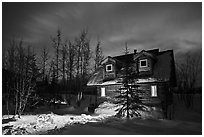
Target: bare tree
(44, 58)
(82, 48)
(24, 74)
(187, 76)
(71, 52)
(53, 73)
(4, 59)
(11, 54)
(83, 56)
(64, 56)
(9, 65)
(98, 55)
(57, 41)
(86, 60)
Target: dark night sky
(175, 26)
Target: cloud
(142, 25)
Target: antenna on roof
(126, 50)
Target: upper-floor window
(143, 63)
(109, 67)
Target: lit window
(103, 92)
(109, 67)
(143, 63)
(154, 91)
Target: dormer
(111, 67)
(144, 62)
(108, 68)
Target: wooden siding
(110, 90)
(144, 92)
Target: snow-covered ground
(186, 121)
(116, 126)
(37, 124)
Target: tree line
(70, 67)
(20, 72)
(188, 74)
(67, 69)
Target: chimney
(135, 51)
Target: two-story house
(155, 75)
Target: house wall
(145, 93)
(110, 90)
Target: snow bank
(37, 124)
(107, 109)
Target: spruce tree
(128, 95)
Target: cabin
(154, 75)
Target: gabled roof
(125, 58)
(143, 52)
(108, 58)
(129, 58)
(164, 68)
(153, 51)
(111, 59)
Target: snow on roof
(97, 77)
(146, 80)
(112, 82)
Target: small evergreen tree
(130, 101)
(128, 95)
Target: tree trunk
(127, 96)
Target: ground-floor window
(154, 91)
(103, 92)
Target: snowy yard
(41, 123)
(36, 124)
(103, 122)
(132, 127)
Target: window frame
(141, 63)
(103, 91)
(154, 91)
(108, 66)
